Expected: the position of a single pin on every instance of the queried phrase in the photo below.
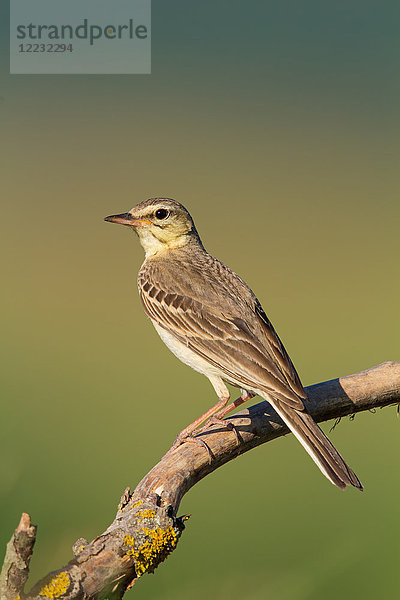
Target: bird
(213, 322)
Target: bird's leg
(244, 396)
(217, 418)
(185, 434)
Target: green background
(277, 125)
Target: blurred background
(277, 125)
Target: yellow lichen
(137, 503)
(155, 549)
(56, 587)
(129, 541)
(146, 514)
(17, 597)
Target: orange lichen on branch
(56, 587)
(146, 514)
(158, 544)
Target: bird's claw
(194, 436)
(182, 439)
(215, 420)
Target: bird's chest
(185, 354)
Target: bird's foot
(215, 420)
(184, 437)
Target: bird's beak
(127, 219)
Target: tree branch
(15, 569)
(146, 529)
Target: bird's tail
(321, 450)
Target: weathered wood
(146, 528)
(15, 569)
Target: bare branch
(146, 529)
(15, 569)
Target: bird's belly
(186, 355)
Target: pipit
(212, 321)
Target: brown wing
(245, 348)
(278, 352)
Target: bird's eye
(161, 213)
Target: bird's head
(161, 224)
